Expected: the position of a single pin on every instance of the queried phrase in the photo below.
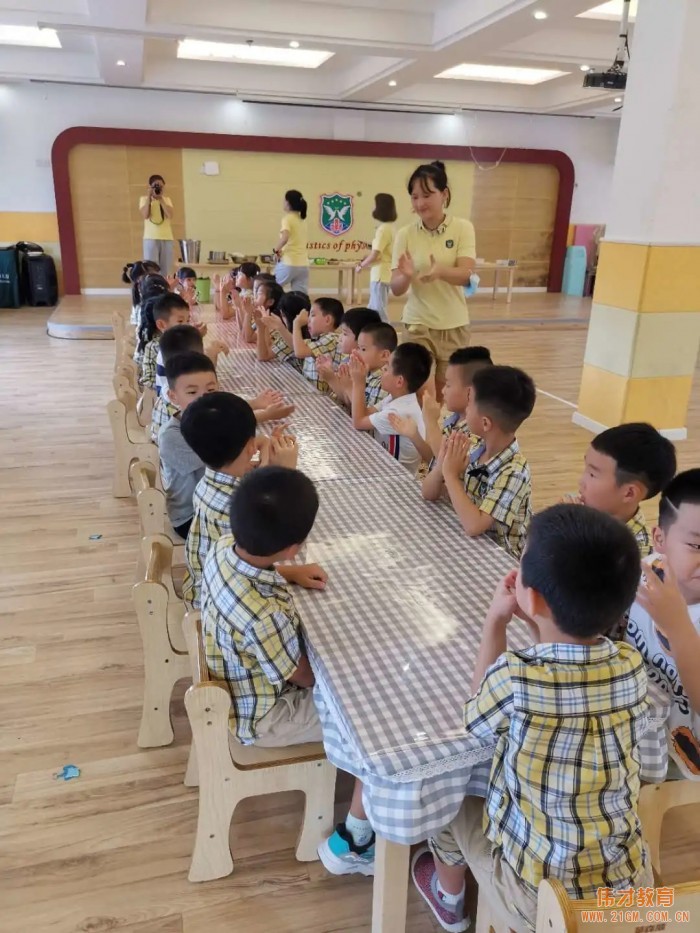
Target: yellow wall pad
(33, 226)
(648, 278)
(612, 399)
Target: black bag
(40, 280)
(9, 278)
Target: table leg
(390, 887)
(511, 276)
(340, 285)
(495, 282)
(353, 286)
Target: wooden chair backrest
(158, 562)
(143, 476)
(201, 658)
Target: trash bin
(203, 289)
(189, 250)
(9, 278)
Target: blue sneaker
(340, 855)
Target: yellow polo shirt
(437, 305)
(294, 252)
(383, 242)
(152, 228)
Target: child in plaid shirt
(252, 629)
(274, 329)
(375, 345)
(334, 369)
(323, 321)
(489, 484)
(565, 717)
(220, 429)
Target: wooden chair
(150, 500)
(131, 441)
(655, 801)
(229, 772)
(557, 913)
(160, 613)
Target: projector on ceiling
(612, 80)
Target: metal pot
(189, 250)
(217, 256)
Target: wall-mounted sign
(337, 213)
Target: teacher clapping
(292, 268)
(157, 212)
(434, 258)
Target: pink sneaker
(424, 877)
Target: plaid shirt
(373, 388)
(501, 488)
(638, 527)
(163, 411)
(566, 721)
(283, 352)
(212, 520)
(252, 633)
(148, 364)
(325, 345)
(454, 423)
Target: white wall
(32, 115)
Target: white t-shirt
(401, 448)
(683, 725)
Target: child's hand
(358, 370)
(277, 411)
(265, 399)
(301, 320)
(310, 576)
(405, 426)
(455, 454)
(663, 601)
(218, 347)
(406, 265)
(270, 322)
(284, 451)
(201, 329)
(258, 315)
(217, 281)
(262, 449)
(504, 604)
(572, 498)
(324, 367)
(432, 409)
(343, 378)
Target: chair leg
(192, 771)
(211, 857)
(160, 676)
(319, 802)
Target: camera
(157, 188)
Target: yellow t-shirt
(294, 252)
(437, 305)
(152, 228)
(383, 242)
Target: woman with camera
(157, 211)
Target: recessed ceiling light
(540, 14)
(29, 35)
(612, 10)
(251, 54)
(585, 67)
(618, 100)
(506, 74)
(120, 62)
(294, 44)
(392, 84)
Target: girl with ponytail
(132, 273)
(151, 288)
(292, 268)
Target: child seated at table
(267, 295)
(323, 322)
(375, 345)
(152, 287)
(133, 274)
(252, 629)
(171, 310)
(186, 285)
(274, 330)
(333, 369)
(407, 370)
(220, 428)
(664, 623)
(489, 483)
(623, 466)
(182, 338)
(566, 717)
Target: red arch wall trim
(105, 136)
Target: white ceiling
(373, 42)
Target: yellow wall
(240, 209)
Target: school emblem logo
(337, 213)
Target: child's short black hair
(504, 393)
(683, 488)
(164, 306)
(640, 453)
(331, 307)
(184, 364)
(586, 566)
(470, 360)
(412, 361)
(249, 269)
(356, 319)
(179, 339)
(275, 508)
(383, 335)
(186, 272)
(217, 427)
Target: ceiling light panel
(29, 35)
(501, 73)
(609, 11)
(251, 54)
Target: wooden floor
(110, 850)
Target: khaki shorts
(293, 720)
(441, 343)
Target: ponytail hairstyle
(152, 287)
(296, 202)
(133, 272)
(432, 174)
(290, 305)
(126, 273)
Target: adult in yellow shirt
(380, 257)
(157, 212)
(292, 268)
(434, 258)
